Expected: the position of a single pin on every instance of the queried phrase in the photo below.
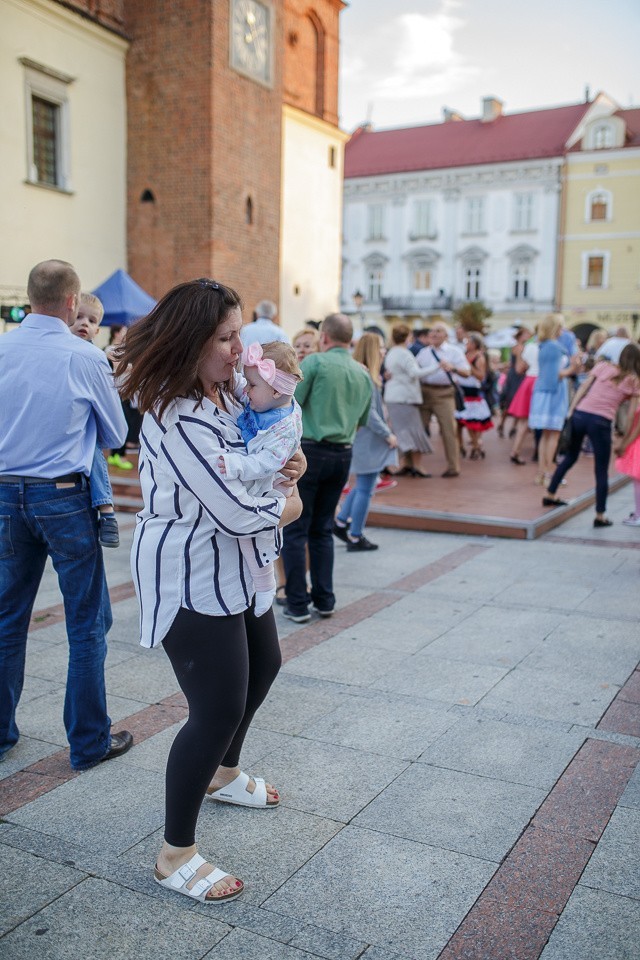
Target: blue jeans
(355, 506)
(598, 430)
(36, 521)
(320, 489)
(99, 482)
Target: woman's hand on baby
(294, 468)
(292, 508)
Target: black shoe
(550, 502)
(602, 523)
(341, 532)
(353, 546)
(451, 473)
(108, 535)
(296, 617)
(119, 743)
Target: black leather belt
(67, 478)
(326, 444)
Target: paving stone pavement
(447, 789)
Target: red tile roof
(632, 122)
(457, 143)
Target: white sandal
(183, 875)
(236, 792)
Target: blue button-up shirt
(57, 401)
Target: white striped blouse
(185, 549)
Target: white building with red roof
(465, 209)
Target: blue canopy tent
(123, 300)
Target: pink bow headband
(282, 382)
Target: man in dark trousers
(57, 401)
(335, 397)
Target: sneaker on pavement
(324, 613)
(341, 532)
(108, 535)
(633, 520)
(385, 483)
(296, 617)
(354, 546)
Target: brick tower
(204, 101)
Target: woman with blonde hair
(304, 342)
(403, 398)
(550, 397)
(374, 448)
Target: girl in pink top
(592, 412)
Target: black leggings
(225, 667)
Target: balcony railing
(417, 304)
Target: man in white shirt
(614, 345)
(265, 328)
(441, 361)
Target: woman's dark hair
(159, 359)
(629, 361)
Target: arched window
(319, 35)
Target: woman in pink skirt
(527, 363)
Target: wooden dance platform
(491, 497)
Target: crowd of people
(247, 441)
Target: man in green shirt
(335, 396)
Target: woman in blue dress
(550, 398)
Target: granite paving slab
(527, 755)
(79, 924)
(49, 661)
(435, 678)
(327, 780)
(463, 584)
(631, 795)
(344, 660)
(116, 804)
(595, 924)
(552, 696)
(589, 647)
(612, 600)
(477, 816)
(263, 847)
(295, 701)
(29, 883)
(329, 946)
(495, 636)
(26, 751)
(242, 945)
(399, 895)
(390, 726)
(395, 628)
(614, 865)
(561, 593)
(144, 677)
(35, 688)
(45, 722)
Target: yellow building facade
(63, 136)
(599, 263)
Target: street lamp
(358, 300)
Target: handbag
(457, 392)
(565, 437)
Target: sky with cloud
(403, 61)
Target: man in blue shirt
(57, 401)
(265, 328)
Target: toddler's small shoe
(108, 535)
(115, 460)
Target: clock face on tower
(251, 39)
